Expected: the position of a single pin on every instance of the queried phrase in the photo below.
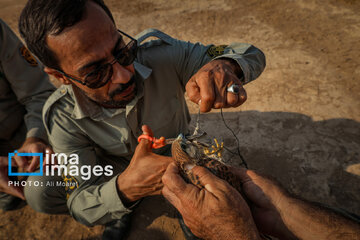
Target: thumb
(208, 180)
(143, 147)
(173, 180)
(145, 144)
(147, 130)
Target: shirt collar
(143, 71)
(84, 107)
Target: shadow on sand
(308, 157)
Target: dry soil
(300, 123)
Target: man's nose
(122, 74)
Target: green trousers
(6, 146)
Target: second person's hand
(265, 198)
(4, 181)
(216, 211)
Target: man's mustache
(122, 87)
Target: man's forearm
(309, 221)
(279, 214)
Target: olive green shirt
(76, 124)
(24, 88)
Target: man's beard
(115, 103)
(121, 88)
(118, 103)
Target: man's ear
(57, 75)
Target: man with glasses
(112, 86)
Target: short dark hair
(40, 18)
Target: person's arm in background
(277, 213)
(5, 187)
(272, 209)
(31, 86)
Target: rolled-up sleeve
(190, 57)
(97, 203)
(250, 59)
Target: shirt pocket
(116, 149)
(163, 121)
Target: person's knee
(36, 195)
(44, 196)
(8, 202)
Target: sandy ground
(299, 125)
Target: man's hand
(210, 85)
(266, 198)
(31, 145)
(143, 175)
(217, 211)
(282, 216)
(4, 180)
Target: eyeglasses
(102, 74)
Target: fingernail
(189, 166)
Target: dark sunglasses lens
(99, 77)
(102, 75)
(127, 55)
